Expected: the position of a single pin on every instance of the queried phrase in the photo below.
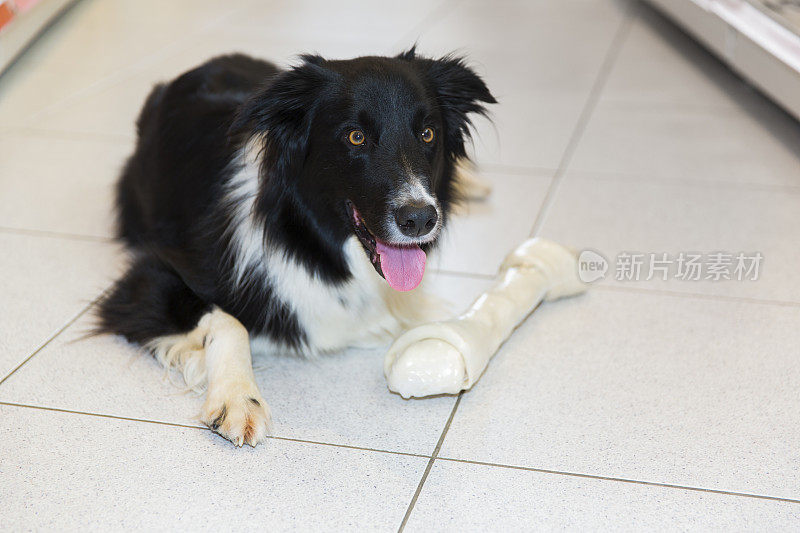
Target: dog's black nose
(416, 220)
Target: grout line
(623, 480)
(57, 234)
(638, 177)
(674, 180)
(101, 415)
(350, 447)
(698, 295)
(430, 464)
(458, 274)
(583, 119)
(54, 335)
(204, 428)
(432, 457)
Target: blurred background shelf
(21, 21)
(759, 39)
(786, 12)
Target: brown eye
(356, 137)
(427, 135)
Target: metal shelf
(752, 42)
(23, 29)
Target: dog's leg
(233, 407)
(215, 357)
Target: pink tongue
(402, 266)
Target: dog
(284, 210)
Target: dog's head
(367, 147)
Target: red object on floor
(6, 14)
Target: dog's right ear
(459, 91)
(281, 114)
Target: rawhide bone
(448, 357)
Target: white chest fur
(362, 311)
(354, 313)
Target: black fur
(171, 197)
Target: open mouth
(401, 265)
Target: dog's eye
(427, 135)
(356, 137)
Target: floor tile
(60, 184)
(639, 215)
(515, 22)
(525, 131)
(107, 37)
(384, 20)
(658, 65)
(341, 398)
(45, 283)
(647, 387)
(124, 382)
(707, 145)
(113, 109)
(540, 94)
(100, 473)
(512, 42)
(481, 234)
(459, 497)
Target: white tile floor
(645, 405)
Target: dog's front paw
(242, 417)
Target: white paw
(238, 413)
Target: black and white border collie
(284, 210)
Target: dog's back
(166, 193)
(183, 147)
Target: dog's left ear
(282, 114)
(459, 92)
